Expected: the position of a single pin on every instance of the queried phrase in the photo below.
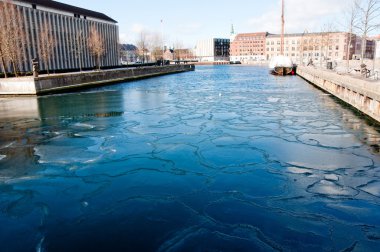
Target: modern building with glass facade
(66, 23)
(214, 49)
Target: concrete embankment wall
(212, 63)
(361, 94)
(57, 83)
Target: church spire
(233, 34)
(232, 30)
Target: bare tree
(302, 47)
(47, 44)
(310, 45)
(3, 62)
(96, 45)
(178, 50)
(369, 16)
(79, 45)
(155, 44)
(351, 21)
(12, 36)
(2, 49)
(326, 42)
(122, 52)
(142, 45)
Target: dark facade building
(222, 48)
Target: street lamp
(162, 40)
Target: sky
(187, 21)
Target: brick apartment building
(246, 47)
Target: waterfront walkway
(362, 94)
(57, 83)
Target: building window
(34, 6)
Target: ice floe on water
(273, 99)
(332, 177)
(302, 155)
(330, 188)
(21, 179)
(329, 140)
(296, 170)
(227, 156)
(83, 125)
(66, 150)
(372, 188)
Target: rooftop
(70, 8)
(302, 34)
(252, 34)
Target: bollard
(363, 70)
(35, 65)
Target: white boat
(282, 65)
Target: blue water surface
(226, 158)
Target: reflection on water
(221, 159)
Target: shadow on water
(28, 121)
(365, 128)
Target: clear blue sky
(189, 21)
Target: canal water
(226, 158)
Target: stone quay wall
(363, 95)
(58, 83)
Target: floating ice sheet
(68, 150)
(302, 155)
(330, 188)
(372, 188)
(329, 140)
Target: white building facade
(316, 47)
(66, 23)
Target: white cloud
(300, 15)
(137, 28)
(124, 38)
